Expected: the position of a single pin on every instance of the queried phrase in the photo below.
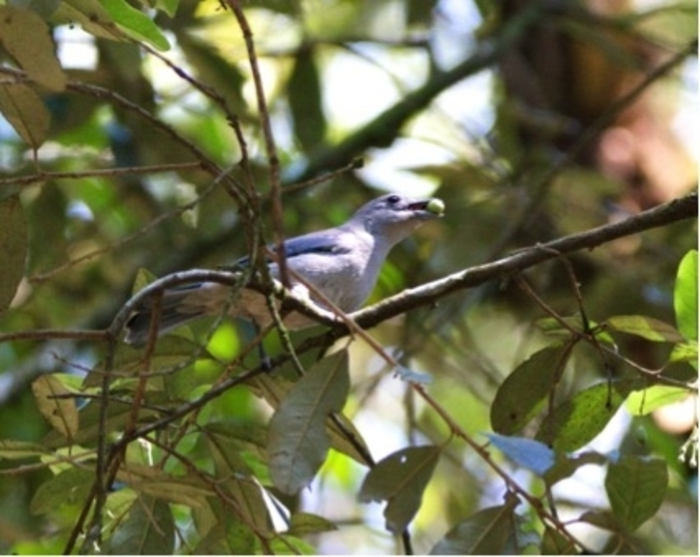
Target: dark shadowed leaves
(297, 440)
(149, 529)
(305, 100)
(524, 392)
(493, 531)
(400, 479)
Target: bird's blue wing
(315, 242)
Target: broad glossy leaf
(685, 352)
(645, 327)
(275, 388)
(636, 487)
(400, 479)
(578, 420)
(13, 249)
(641, 403)
(297, 440)
(685, 296)
(524, 392)
(135, 23)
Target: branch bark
(426, 294)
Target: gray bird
(343, 263)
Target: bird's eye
(393, 199)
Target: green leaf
(493, 531)
(554, 543)
(91, 15)
(685, 296)
(135, 23)
(284, 544)
(118, 415)
(297, 439)
(10, 449)
(147, 480)
(303, 524)
(227, 535)
(26, 37)
(170, 353)
(236, 482)
(70, 486)
(305, 101)
(645, 327)
(641, 403)
(524, 392)
(169, 7)
(13, 249)
(528, 453)
(149, 529)
(275, 389)
(400, 479)
(61, 413)
(685, 352)
(144, 277)
(578, 420)
(636, 487)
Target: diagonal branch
(426, 294)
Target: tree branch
(426, 294)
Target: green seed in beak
(435, 206)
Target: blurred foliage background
(530, 119)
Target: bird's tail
(173, 313)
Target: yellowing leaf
(61, 413)
(23, 108)
(13, 248)
(26, 38)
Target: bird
(343, 263)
